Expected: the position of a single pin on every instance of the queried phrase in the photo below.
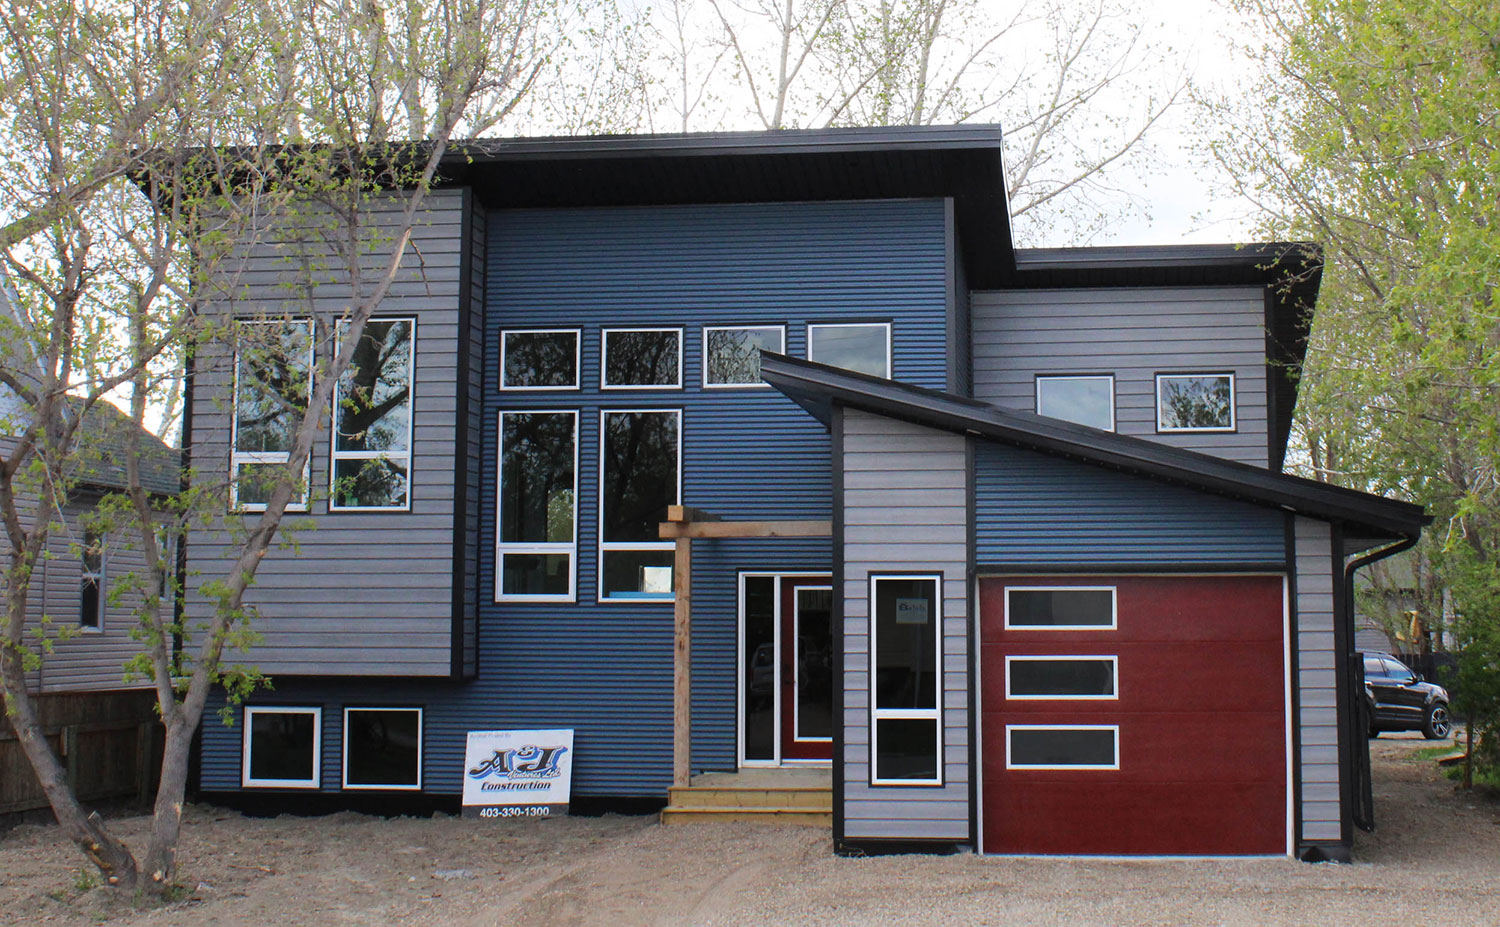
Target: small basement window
(863, 347)
(281, 747)
(906, 658)
(1053, 677)
(642, 358)
(1081, 399)
(541, 359)
(731, 356)
(371, 466)
(1062, 746)
(1060, 608)
(383, 748)
(1194, 402)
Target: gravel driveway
(1434, 862)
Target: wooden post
(682, 663)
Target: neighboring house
(1064, 601)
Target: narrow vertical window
(906, 744)
(538, 535)
(272, 388)
(372, 405)
(91, 582)
(640, 475)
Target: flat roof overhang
(819, 389)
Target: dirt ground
(1433, 862)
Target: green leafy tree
(1374, 129)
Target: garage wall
(905, 509)
(1316, 682)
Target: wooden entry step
(801, 797)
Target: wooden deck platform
(800, 796)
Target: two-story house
(998, 537)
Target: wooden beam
(746, 529)
(687, 513)
(682, 662)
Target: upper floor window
(538, 537)
(1195, 402)
(731, 356)
(371, 465)
(542, 359)
(640, 474)
(1085, 399)
(642, 358)
(863, 347)
(91, 582)
(272, 388)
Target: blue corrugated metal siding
(1035, 509)
(606, 669)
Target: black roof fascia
(817, 388)
(790, 165)
(1292, 272)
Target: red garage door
(1134, 715)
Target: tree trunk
(84, 829)
(160, 862)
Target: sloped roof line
(818, 388)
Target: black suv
(1399, 700)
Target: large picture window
(1194, 402)
(281, 747)
(642, 358)
(544, 359)
(863, 347)
(272, 388)
(1082, 399)
(906, 741)
(383, 748)
(640, 474)
(731, 356)
(371, 465)
(538, 517)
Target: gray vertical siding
(1316, 682)
(905, 509)
(1134, 334)
(364, 593)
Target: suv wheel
(1437, 726)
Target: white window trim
(889, 339)
(1233, 403)
(737, 328)
(1114, 669)
(935, 713)
(604, 359)
(237, 457)
(317, 771)
(421, 735)
(557, 547)
(797, 662)
(631, 545)
(577, 334)
(1076, 376)
(335, 455)
(1085, 767)
(101, 579)
(1114, 609)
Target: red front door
(806, 668)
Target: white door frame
(776, 576)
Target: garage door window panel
(906, 659)
(1077, 678)
(1060, 608)
(1076, 746)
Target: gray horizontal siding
(360, 593)
(1133, 334)
(1034, 509)
(882, 533)
(1317, 686)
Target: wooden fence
(109, 742)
